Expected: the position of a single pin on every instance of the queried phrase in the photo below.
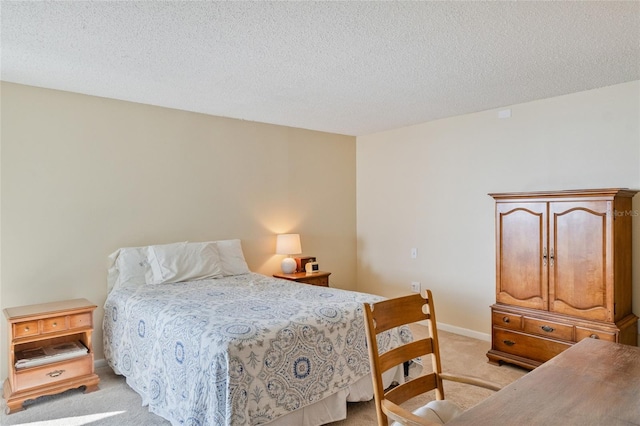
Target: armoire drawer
(506, 320)
(584, 333)
(527, 346)
(550, 329)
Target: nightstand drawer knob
(26, 329)
(55, 373)
(55, 324)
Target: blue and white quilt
(240, 350)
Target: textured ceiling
(345, 67)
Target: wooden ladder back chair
(401, 311)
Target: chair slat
(408, 352)
(392, 313)
(412, 388)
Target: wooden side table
(319, 278)
(42, 326)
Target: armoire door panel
(580, 256)
(521, 265)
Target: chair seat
(439, 412)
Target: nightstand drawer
(53, 373)
(81, 320)
(320, 281)
(51, 325)
(26, 328)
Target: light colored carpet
(116, 404)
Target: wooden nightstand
(44, 325)
(316, 278)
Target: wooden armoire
(563, 272)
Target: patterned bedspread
(240, 350)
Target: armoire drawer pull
(547, 328)
(509, 342)
(505, 319)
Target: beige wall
(426, 186)
(82, 176)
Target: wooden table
(594, 382)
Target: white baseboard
(99, 363)
(464, 332)
(461, 331)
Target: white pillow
(232, 258)
(178, 262)
(131, 266)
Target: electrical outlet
(415, 286)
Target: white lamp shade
(288, 244)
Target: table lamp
(288, 244)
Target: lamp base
(288, 265)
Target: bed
(205, 341)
